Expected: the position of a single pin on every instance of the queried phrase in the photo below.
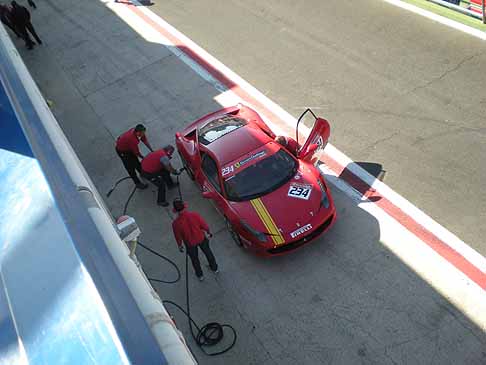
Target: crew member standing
(127, 148)
(190, 229)
(21, 21)
(289, 143)
(157, 168)
(6, 18)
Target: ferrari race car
(273, 199)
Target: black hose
(208, 335)
(211, 333)
(166, 259)
(125, 208)
(178, 185)
(116, 184)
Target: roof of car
(238, 142)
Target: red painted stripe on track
(439, 246)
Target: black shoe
(142, 186)
(163, 204)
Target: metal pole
(484, 15)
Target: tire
(234, 235)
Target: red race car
(273, 198)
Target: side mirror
(209, 195)
(309, 151)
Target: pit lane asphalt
(399, 90)
(343, 299)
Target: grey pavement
(343, 299)
(400, 90)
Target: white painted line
(438, 18)
(418, 215)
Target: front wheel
(234, 235)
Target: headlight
(324, 196)
(262, 237)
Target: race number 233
(299, 191)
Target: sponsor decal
(249, 158)
(300, 191)
(301, 230)
(231, 168)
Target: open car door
(317, 139)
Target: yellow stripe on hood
(267, 220)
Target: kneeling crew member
(289, 143)
(189, 229)
(157, 168)
(127, 149)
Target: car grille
(293, 245)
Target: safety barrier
(474, 8)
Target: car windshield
(218, 128)
(262, 177)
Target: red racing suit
(128, 142)
(189, 228)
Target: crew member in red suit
(191, 230)
(157, 168)
(127, 148)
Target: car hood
(284, 209)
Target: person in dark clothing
(156, 168)
(6, 18)
(190, 230)
(21, 21)
(127, 149)
(289, 143)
